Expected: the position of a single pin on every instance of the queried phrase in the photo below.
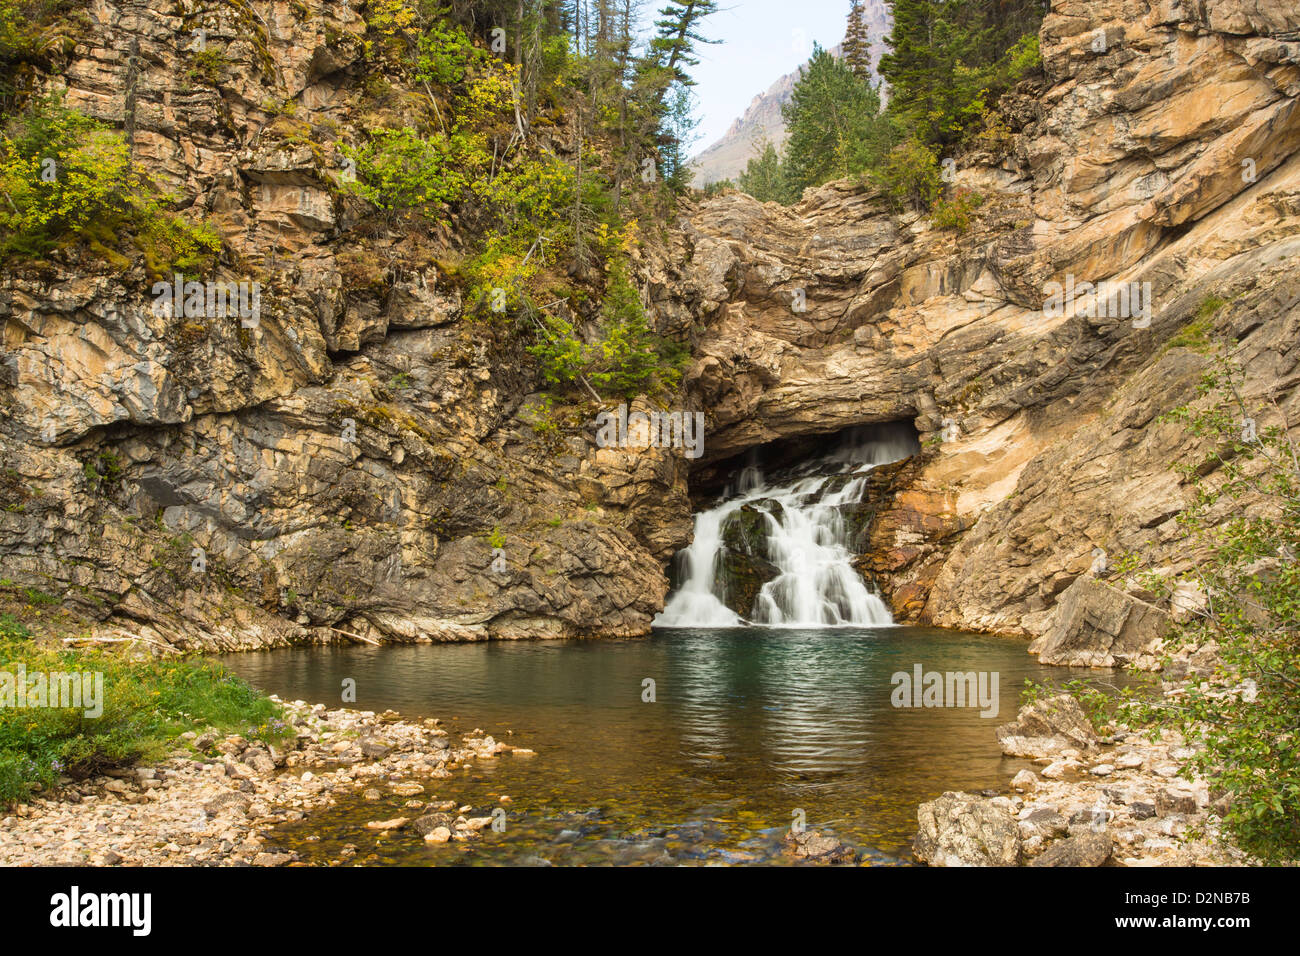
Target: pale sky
(762, 41)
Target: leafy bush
(398, 170)
(1024, 57)
(1247, 715)
(1243, 528)
(66, 177)
(628, 358)
(955, 213)
(763, 177)
(910, 177)
(558, 350)
(444, 54)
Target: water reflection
(748, 725)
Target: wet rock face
(746, 564)
(364, 461)
(1166, 152)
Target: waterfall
(802, 535)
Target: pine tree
(663, 71)
(763, 178)
(677, 33)
(857, 42)
(947, 61)
(834, 124)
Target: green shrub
(955, 213)
(146, 705)
(626, 358)
(398, 170)
(910, 177)
(558, 351)
(1245, 520)
(1023, 58)
(65, 177)
(1243, 528)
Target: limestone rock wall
(346, 467)
(1162, 146)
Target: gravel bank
(211, 801)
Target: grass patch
(1195, 335)
(146, 705)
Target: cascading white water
(806, 539)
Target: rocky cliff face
(1162, 147)
(348, 467)
(362, 461)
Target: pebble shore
(213, 799)
(1116, 800)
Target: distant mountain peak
(762, 121)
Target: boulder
(1025, 781)
(1175, 800)
(1097, 625)
(1086, 849)
(431, 821)
(1047, 727)
(815, 846)
(224, 802)
(960, 829)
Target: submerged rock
(817, 847)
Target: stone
(1098, 625)
(959, 829)
(226, 802)
(394, 824)
(815, 846)
(431, 821)
(1059, 769)
(259, 760)
(1060, 718)
(374, 749)
(1025, 781)
(437, 835)
(1142, 810)
(1175, 800)
(1046, 822)
(1085, 849)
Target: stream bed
(750, 729)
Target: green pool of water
(750, 728)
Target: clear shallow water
(749, 725)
